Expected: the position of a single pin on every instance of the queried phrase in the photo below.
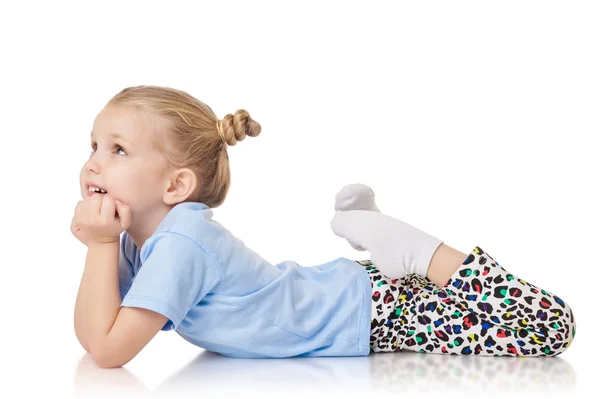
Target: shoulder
(173, 246)
(195, 222)
(167, 240)
(189, 227)
(169, 253)
(190, 219)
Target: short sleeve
(125, 267)
(175, 274)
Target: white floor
(171, 367)
(385, 373)
(476, 121)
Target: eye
(115, 146)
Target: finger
(95, 205)
(78, 210)
(89, 204)
(107, 211)
(86, 212)
(124, 214)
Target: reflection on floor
(383, 372)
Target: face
(127, 167)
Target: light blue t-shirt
(221, 296)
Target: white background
(474, 121)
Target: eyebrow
(115, 135)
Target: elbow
(82, 342)
(84, 345)
(108, 359)
(105, 362)
(109, 365)
(100, 358)
(103, 357)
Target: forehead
(120, 121)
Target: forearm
(445, 261)
(99, 299)
(80, 316)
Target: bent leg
(481, 310)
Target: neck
(147, 225)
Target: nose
(92, 164)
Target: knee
(566, 334)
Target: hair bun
(237, 127)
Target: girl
(157, 261)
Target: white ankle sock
(396, 248)
(354, 197)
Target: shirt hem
(155, 305)
(364, 322)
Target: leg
(481, 310)
(396, 247)
(444, 263)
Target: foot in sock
(356, 197)
(396, 248)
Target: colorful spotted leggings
(482, 310)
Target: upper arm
(82, 342)
(176, 274)
(131, 332)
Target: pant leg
(482, 310)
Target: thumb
(124, 212)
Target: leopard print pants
(482, 310)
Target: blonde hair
(189, 135)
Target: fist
(100, 219)
(81, 235)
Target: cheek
(144, 189)
(82, 179)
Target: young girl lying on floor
(157, 260)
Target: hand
(95, 219)
(81, 235)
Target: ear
(180, 186)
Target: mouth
(91, 190)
